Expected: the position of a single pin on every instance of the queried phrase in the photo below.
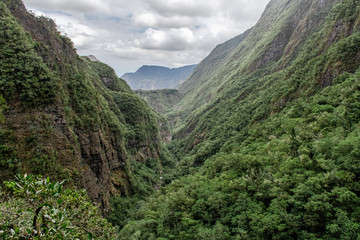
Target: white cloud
(169, 39)
(127, 34)
(153, 20)
(199, 8)
(85, 6)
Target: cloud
(171, 40)
(199, 8)
(153, 20)
(70, 5)
(127, 34)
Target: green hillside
(67, 117)
(262, 139)
(161, 100)
(268, 143)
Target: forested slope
(67, 117)
(266, 134)
(293, 51)
(270, 147)
(161, 100)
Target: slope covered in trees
(268, 143)
(67, 117)
(266, 134)
(161, 100)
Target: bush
(32, 207)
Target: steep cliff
(69, 117)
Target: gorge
(264, 132)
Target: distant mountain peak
(150, 77)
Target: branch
(36, 216)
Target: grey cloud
(127, 34)
(199, 8)
(84, 6)
(171, 40)
(152, 20)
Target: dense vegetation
(266, 135)
(32, 207)
(161, 100)
(294, 176)
(67, 117)
(268, 144)
(39, 86)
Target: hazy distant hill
(157, 77)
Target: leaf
(90, 236)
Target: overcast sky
(127, 34)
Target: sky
(127, 34)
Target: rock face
(156, 77)
(93, 58)
(69, 117)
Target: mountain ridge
(265, 133)
(151, 77)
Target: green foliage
(9, 160)
(3, 107)
(161, 100)
(32, 207)
(23, 75)
(294, 176)
(141, 123)
(268, 137)
(84, 100)
(82, 120)
(109, 78)
(122, 208)
(269, 149)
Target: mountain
(206, 69)
(212, 63)
(267, 137)
(156, 77)
(265, 134)
(68, 117)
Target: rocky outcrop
(93, 58)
